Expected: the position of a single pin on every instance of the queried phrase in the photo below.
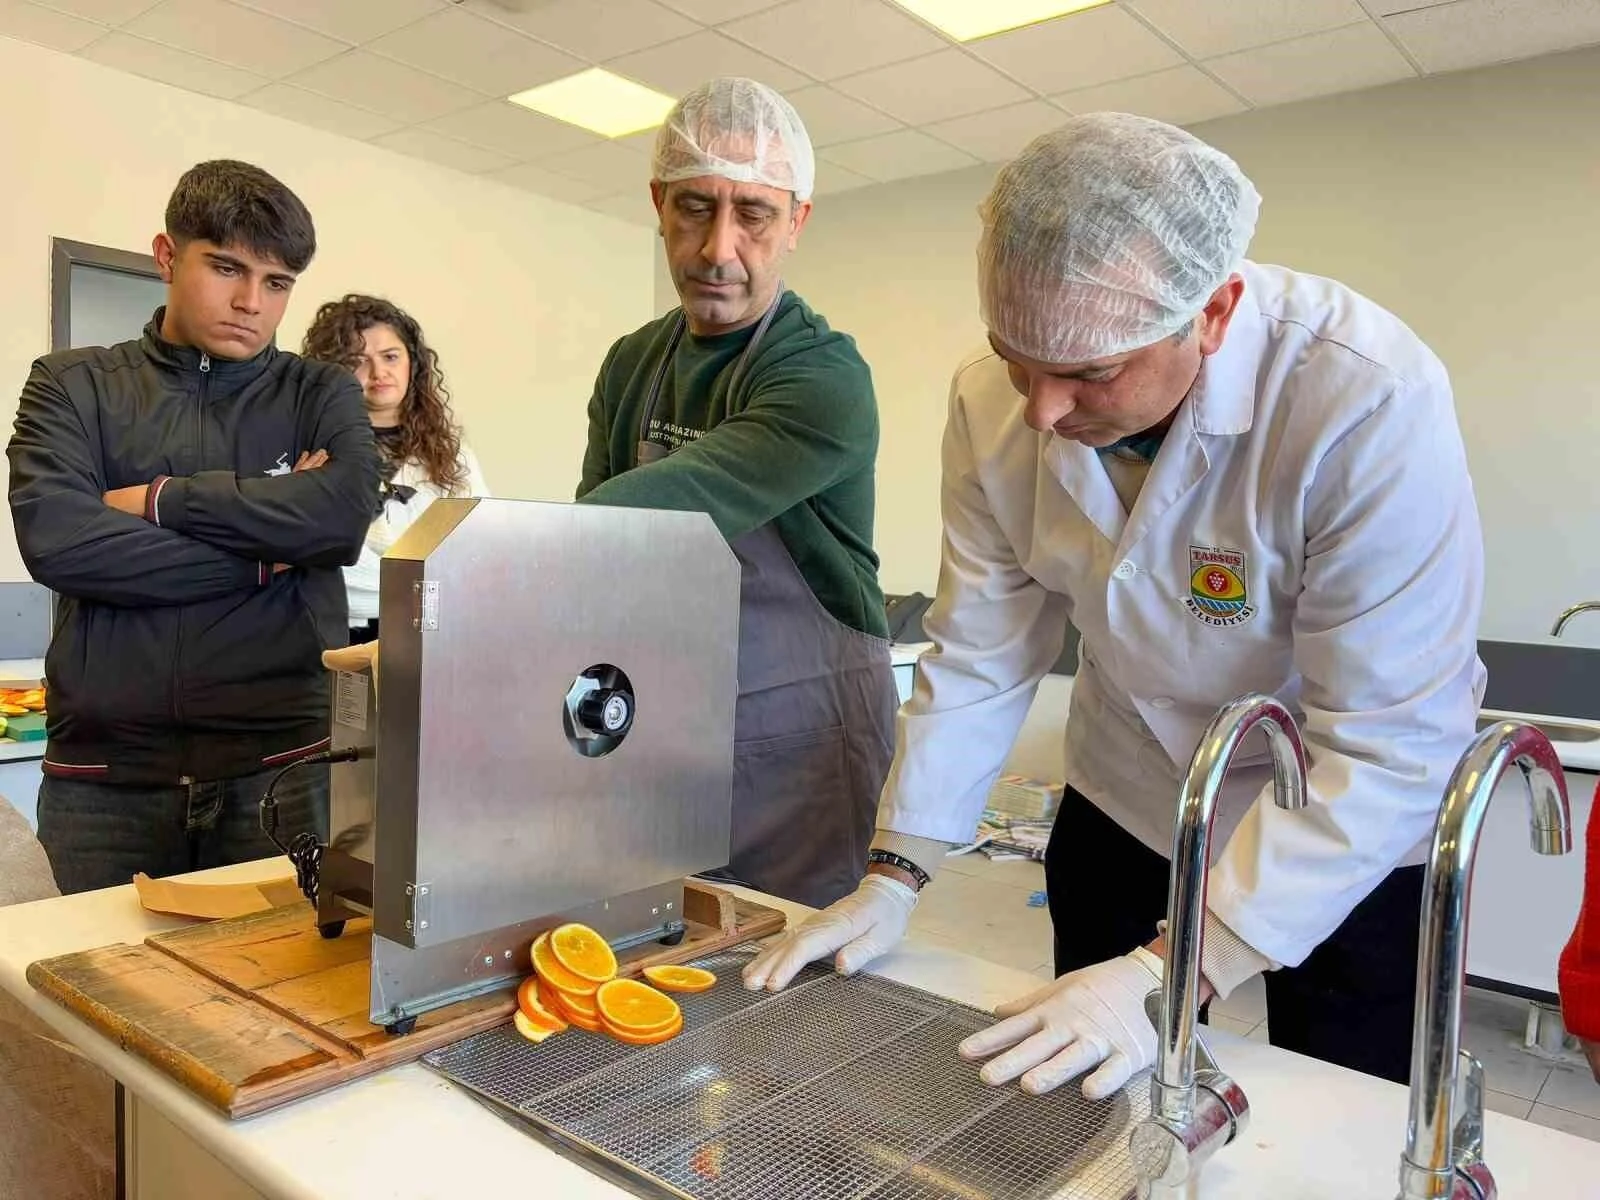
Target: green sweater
(795, 447)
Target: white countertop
(1317, 1132)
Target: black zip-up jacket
(178, 653)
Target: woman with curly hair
(418, 437)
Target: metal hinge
(425, 607)
(419, 904)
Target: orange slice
(680, 979)
(628, 1006)
(649, 1039)
(532, 1006)
(641, 1030)
(592, 1024)
(584, 953)
(534, 1033)
(556, 975)
(584, 1006)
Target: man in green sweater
(745, 405)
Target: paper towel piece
(214, 901)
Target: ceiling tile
(475, 53)
(240, 37)
(1000, 135)
(353, 21)
(644, 141)
(47, 27)
(897, 156)
(712, 12)
(1320, 65)
(685, 64)
(936, 88)
(1474, 33)
(1383, 8)
(385, 86)
(107, 12)
(833, 179)
(831, 117)
(1207, 28)
(1078, 51)
(155, 61)
(447, 152)
(512, 130)
(607, 166)
(632, 207)
(595, 29)
(308, 108)
(1181, 96)
(829, 39)
(547, 183)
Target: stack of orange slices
(575, 983)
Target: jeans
(100, 835)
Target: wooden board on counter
(257, 1011)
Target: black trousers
(1349, 1003)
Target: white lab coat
(1319, 454)
(361, 579)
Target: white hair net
(736, 129)
(1107, 235)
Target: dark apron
(814, 723)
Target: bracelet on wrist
(887, 858)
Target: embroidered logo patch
(1217, 592)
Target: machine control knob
(606, 711)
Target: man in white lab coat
(1230, 478)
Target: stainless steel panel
(1555, 731)
(481, 795)
(836, 1087)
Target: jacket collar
(1223, 399)
(188, 358)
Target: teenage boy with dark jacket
(191, 497)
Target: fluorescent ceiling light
(965, 20)
(599, 101)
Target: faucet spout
(1194, 1112)
(1568, 613)
(1443, 1155)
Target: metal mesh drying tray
(834, 1088)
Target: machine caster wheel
(672, 939)
(401, 1027)
(331, 929)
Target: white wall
(520, 295)
(1469, 204)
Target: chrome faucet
(1443, 1159)
(1193, 1112)
(1568, 613)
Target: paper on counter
(214, 901)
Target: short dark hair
(233, 203)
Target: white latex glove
(1089, 1018)
(868, 922)
(353, 658)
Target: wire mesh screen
(834, 1088)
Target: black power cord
(305, 850)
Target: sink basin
(1556, 731)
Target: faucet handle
(1467, 1137)
(1473, 1180)
(1202, 1052)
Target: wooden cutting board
(257, 1011)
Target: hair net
(736, 129)
(1109, 234)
